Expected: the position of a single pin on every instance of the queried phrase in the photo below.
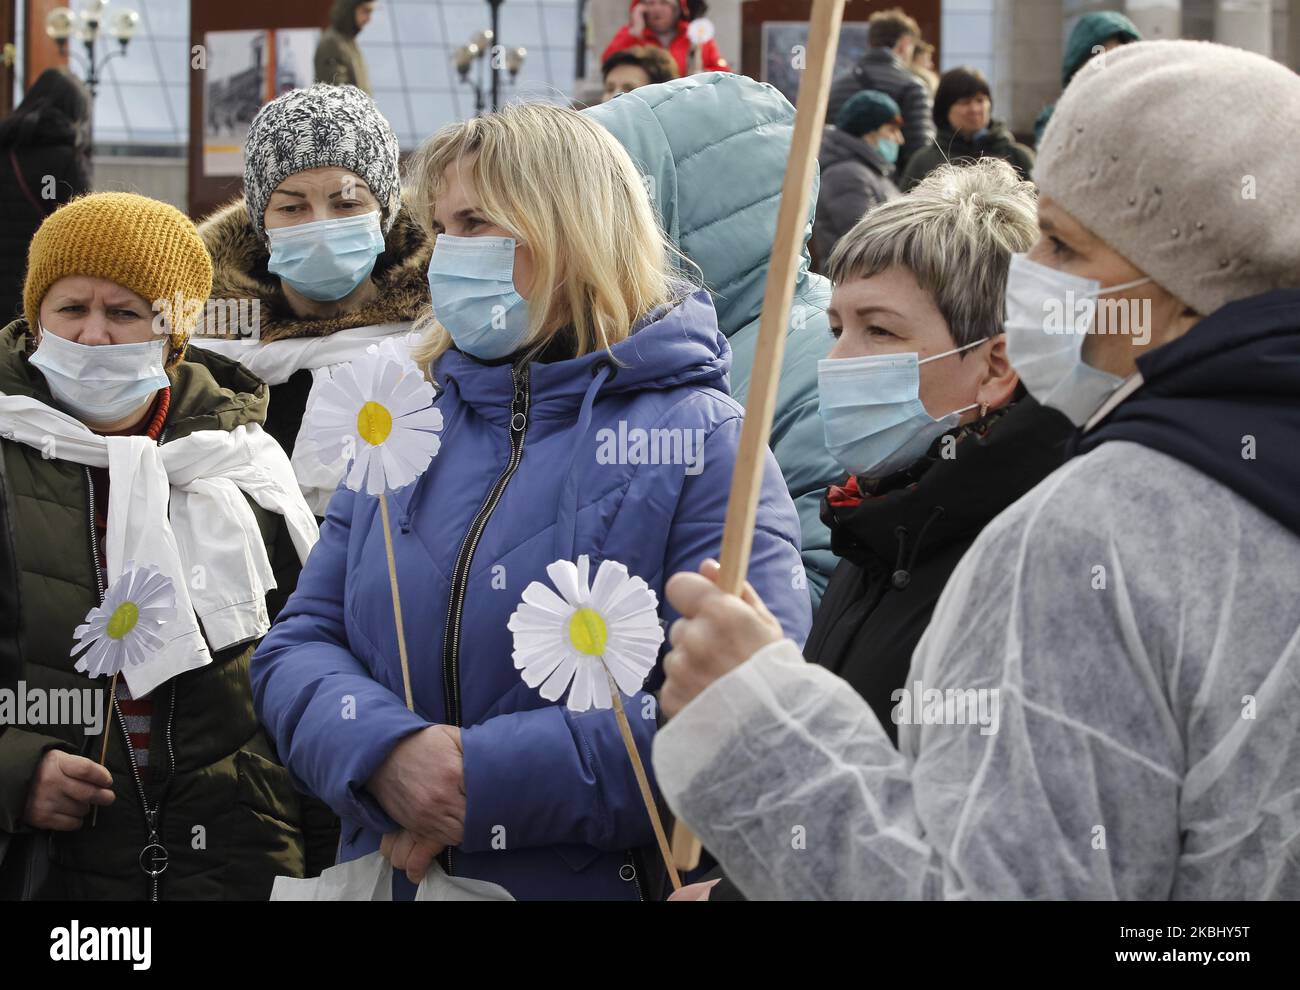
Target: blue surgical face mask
(100, 383)
(888, 149)
(472, 286)
(328, 259)
(872, 414)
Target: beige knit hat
(1184, 156)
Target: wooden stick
(642, 781)
(787, 249)
(397, 601)
(103, 749)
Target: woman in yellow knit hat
(97, 393)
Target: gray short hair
(955, 232)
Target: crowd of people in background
(1090, 536)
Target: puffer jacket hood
(1090, 31)
(1225, 399)
(674, 346)
(240, 257)
(713, 147)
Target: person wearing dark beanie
(963, 116)
(1093, 34)
(857, 161)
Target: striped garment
(137, 713)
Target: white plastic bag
(370, 878)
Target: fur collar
(239, 260)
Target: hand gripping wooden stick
(787, 250)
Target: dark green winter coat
(338, 56)
(230, 818)
(953, 146)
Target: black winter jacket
(952, 146)
(898, 547)
(53, 167)
(880, 69)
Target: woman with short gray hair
(923, 410)
(1106, 703)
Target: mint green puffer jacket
(713, 148)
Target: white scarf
(181, 508)
(277, 361)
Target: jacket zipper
(460, 574)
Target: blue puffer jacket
(556, 787)
(713, 148)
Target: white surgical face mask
(1047, 352)
(100, 383)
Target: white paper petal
(540, 596)
(564, 575)
(536, 672)
(580, 694)
(554, 687)
(601, 697)
(609, 579)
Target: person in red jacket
(664, 23)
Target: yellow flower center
(374, 423)
(123, 619)
(587, 632)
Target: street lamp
(62, 23)
(473, 53)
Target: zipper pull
(519, 407)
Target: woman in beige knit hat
(1106, 703)
(123, 452)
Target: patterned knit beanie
(320, 127)
(141, 244)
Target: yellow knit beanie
(140, 243)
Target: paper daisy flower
(574, 636)
(700, 31)
(377, 412)
(124, 630)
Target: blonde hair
(565, 187)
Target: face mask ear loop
(955, 350)
(1125, 285)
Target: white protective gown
(1141, 624)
